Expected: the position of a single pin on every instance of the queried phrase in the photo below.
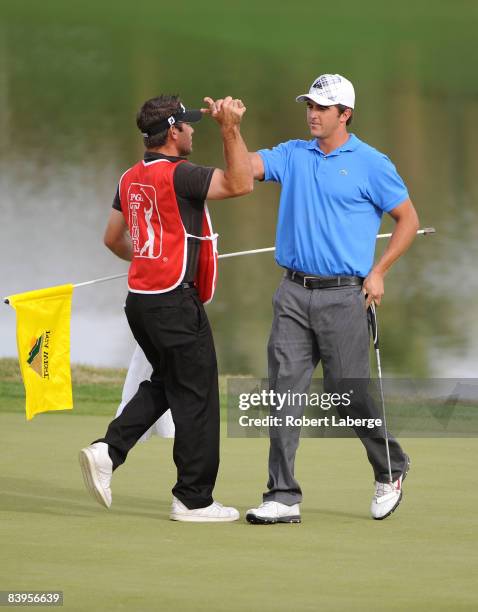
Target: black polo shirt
(191, 184)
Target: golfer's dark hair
(151, 112)
(342, 108)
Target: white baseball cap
(330, 89)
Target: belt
(182, 286)
(323, 282)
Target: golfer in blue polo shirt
(335, 189)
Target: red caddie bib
(160, 240)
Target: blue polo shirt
(331, 205)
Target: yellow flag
(43, 340)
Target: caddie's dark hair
(342, 108)
(155, 110)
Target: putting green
(54, 536)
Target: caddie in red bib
(159, 238)
(161, 225)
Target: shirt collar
(352, 143)
(153, 156)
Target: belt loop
(292, 276)
(338, 281)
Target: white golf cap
(330, 89)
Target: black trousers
(175, 335)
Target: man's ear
(345, 116)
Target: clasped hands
(228, 111)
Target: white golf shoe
(215, 513)
(270, 512)
(387, 496)
(97, 469)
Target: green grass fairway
(54, 536)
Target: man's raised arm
(236, 179)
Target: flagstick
(424, 232)
(253, 252)
(101, 280)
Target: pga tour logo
(144, 221)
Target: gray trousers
(327, 325)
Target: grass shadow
(43, 497)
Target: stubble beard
(185, 152)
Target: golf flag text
(43, 340)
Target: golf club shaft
(372, 318)
(382, 400)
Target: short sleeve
(192, 181)
(275, 161)
(116, 200)
(386, 187)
